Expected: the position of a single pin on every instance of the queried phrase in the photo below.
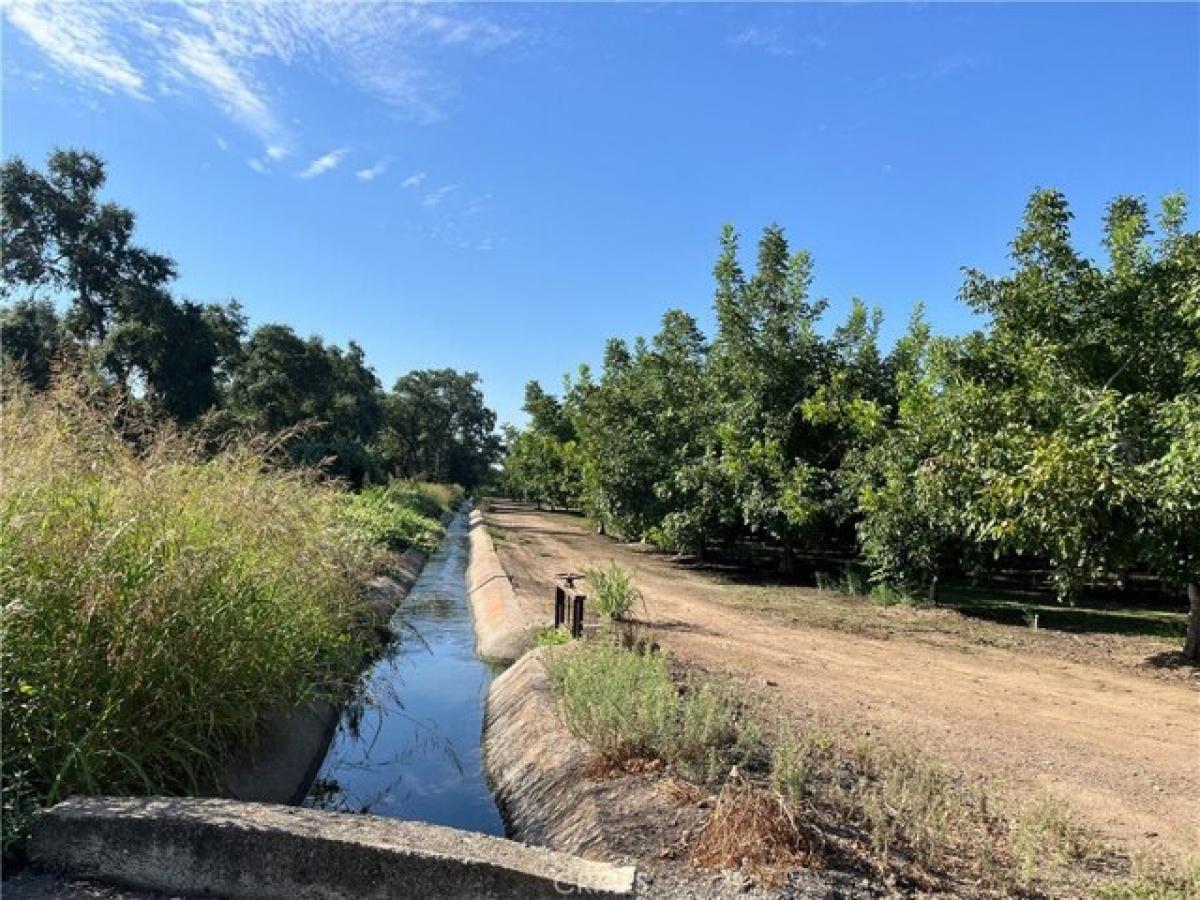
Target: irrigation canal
(409, 746)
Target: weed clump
(395, 517)
(756, 830)
(626, 705)
(551, 637)
(613, 592)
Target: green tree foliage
(331, 399)
(437, 427)
(60, 239)
(540, 462)
(1065, 431)
(80, 287)
(60, 242)
(31, 337)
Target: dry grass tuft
(682, 792)
(753, 829)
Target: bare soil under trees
(1086, 718)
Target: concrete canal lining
(232, 849)
(500, 633)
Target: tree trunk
(787, 562)
(1191, 645)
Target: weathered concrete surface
(292, 743)
(500, 633)
(536, 768)
(231, 849)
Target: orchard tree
(1066, 431)
(768, 359)
(540, 463)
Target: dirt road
(1122, 749)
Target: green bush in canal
(157, 601)
(401, 515)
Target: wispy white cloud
(943, 67)
(775, 41)
(395, 52)
(476, 206)
(323, 164)
(436, 197)
(414, 180)
(257, 165)
(204, 61)
(277, 152)
(222, 143)
(371, 172)
(78, 42)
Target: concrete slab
(231, 849)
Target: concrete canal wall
(500, 633)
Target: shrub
(613, 591)
(384, 516)
(626, 706)
(424, 497)
(551, 637)
(156, 603)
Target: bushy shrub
(425, 497)
(156, 603)
(388, 517)
(626, 705)
(612, 591)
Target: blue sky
(501, 187)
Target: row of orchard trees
(1067, 431)
(82, 293)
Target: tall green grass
(156, 602)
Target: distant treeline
(81, 293)
(1066, 432)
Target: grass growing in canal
(156, 601)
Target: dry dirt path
(1122, 749)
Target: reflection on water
(409, 746)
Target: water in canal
(410, 746)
